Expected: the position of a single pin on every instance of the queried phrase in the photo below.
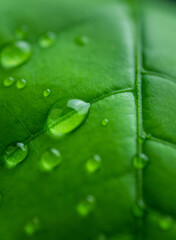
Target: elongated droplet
(50, 159)
(15, 54)
(14, 154)
(9, 81)
(105, 122)
(46, 92)
(165, 223)
(81, 40)
(66, 115)
(21, 83)
(140, 161)
(21, 32)
(32, 226)
(47, 39)
(86, 206)
(93, 164)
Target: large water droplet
(14, 154)
(81, 40)
(93, 164)
(32, 226)
(50, 159)
(105, 122)
(47, 39)
(140, 161)
(21, 83)
(165, 223)
(21, 32)
(9, 81)
(66, 115)
(86, 206)
(46, 92)
(15, 54)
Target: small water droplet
(140, 161)
(93, 164)
(81, 40)
(47, 39)
(138, 209)
(46, 92)
(15, 54)
(66, 115)
(32, 226)
(86, 206)
(165, 223)
(21, 32)
(9, 81)
(105, 122)
(50, 159)
(14, 154)
(21, 83)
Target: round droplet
(105, 122)
(15, 54)
(32, 226)
(93, 164)
(21, 32)
(21, 83)
(50, 159)
(165, 223)
(9, 81)
(66, 115)
(138, 209)
(140, 161)
(47, 39)
(14, 154)
(46, 92)
(86, 206)
(81, 40)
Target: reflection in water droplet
(165, 223)
(93, 164)
(81, 40)
(86, 206)
(15, 54)
(46, 92)
(140, 161)
(138, 209)
(14, 154)
(105, 122)
(21, 32)
(47, 39)
(9, 81)
(50, 159)
(32, 226)
(66, 115)
(21, 83)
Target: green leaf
(88, 127)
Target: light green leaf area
(94, 88)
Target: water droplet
(15, 54)
(81, 40)
(140, 161)
(21, 32)
(138, 209)
(21, 83)
(32, 226)
(46, 92)
(50, 159)
(47, 39)
(101, 237)
(93, 164)
(66, 115)
(14, 154)
(86, 206)
(105, 122)
(165, 223)
(9, 81)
